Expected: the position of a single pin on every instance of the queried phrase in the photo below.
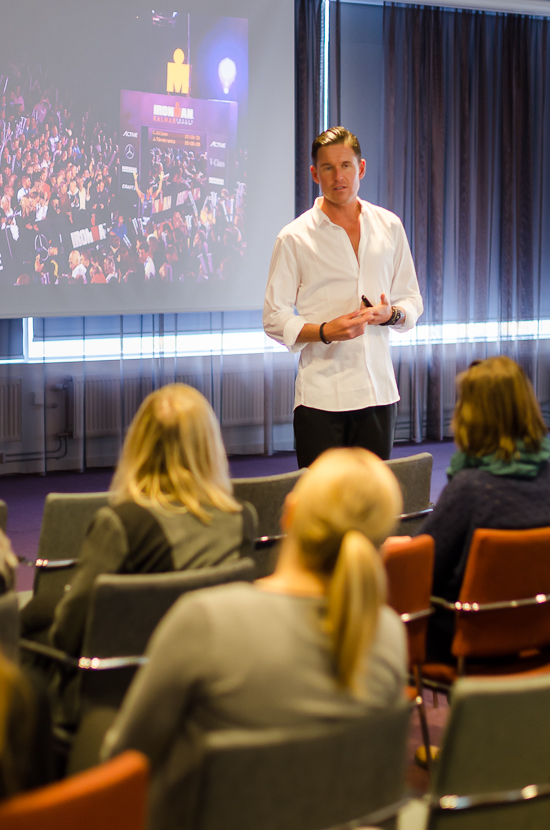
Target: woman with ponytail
(312, 642)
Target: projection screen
(147, 154)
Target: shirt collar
(319, 216)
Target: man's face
(74, 260)
(338, 172)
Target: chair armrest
(55, 564)
(94, 663)
(53, 654)
(264, 542)
(476, 607)
(418, 514)
(439, 602)
(417, 615)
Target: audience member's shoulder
(237, 594)
(390, 625)
(129, 512)
(469, 480)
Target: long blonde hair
(496, 408)
(345, 506)
(173, 457)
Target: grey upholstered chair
(64, 524)
(493, 770)
(123, 613)
(307, 778)
(267, 494)
(65, 521)
(9, 626)
(414, 474)
(3, 515)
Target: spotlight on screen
(164, 19)
(227, 72)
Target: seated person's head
(340, 512)
(497, 409)
(173, 456)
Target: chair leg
(423, 719)
(435, 699)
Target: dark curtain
(308, 63)
(466, 166)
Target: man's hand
(348, 326)
(380, 313)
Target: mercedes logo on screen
(129, 151)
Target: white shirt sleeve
(405, 292)
(280, 321)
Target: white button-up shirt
(314, 271)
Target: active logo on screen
(220, 144)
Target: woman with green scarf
(499, 478)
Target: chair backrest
(3, 515)
(112, 796)
(65, 521)
(124, 611)
(505, 565)
(267, 494)
(414, 474)
(301, 779)
(409, 569)
(9, 626)
(497, 739)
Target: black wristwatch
(396, 316)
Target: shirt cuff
(411, 316)
(291, 331)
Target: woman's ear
(287, 516)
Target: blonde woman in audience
(171, 505)
(499, 477)
(313, 642)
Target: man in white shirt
(78, 271)
(346, 268)
(147, 261)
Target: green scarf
(523, 465)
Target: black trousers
(316, 430)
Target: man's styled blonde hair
(173, 457)
(345, 506)
(496, 408)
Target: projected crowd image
(146, 183)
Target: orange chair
(502, 617)
(112, 796)
(409, 569)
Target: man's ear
(314, 175)
(287, 516)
